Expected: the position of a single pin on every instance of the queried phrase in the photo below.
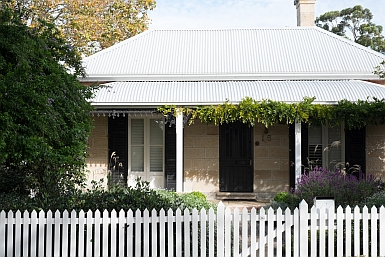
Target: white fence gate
(225, 233)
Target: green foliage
(284, 200)
(380, 70)
(268, 112)
(377, 199)
(44, 113)
(141, 197)
(357, 20)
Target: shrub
(377, 199)
(284, 200)
(347, 189)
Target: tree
(380, 70)
(357, 22)
(44, 110)
(89, 25)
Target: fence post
(303, 228)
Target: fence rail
(303, 232)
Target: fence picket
(330, 228)
(236, 232)
(303, 228)
(49, 234)
(146, 233)
(178, 232)
(18, 223)
(280, 230)
(89, 233)
(270, 232)
(56, 236)
(186, 223)
(82, 230)
(122, 225)
(73, 227)
(382, 231)
(220, 229)
(138, 233)
(3, 236)
(123, 234)
(313, 231)
(194, 238)
(244, 224)
(10, 243)
(203, 234)
(296, 232)
(211, 232)
(373, 229)
(96, 238)
(170, 233)
(228, 222)
(288, 224)
(340, 231)
(356, 231)
(64, 234)
(365, 231)
(262, 220)
(113, 240)
(162, 233)
(104, 243)
(322, 223)
(154, 233)
(130, 233)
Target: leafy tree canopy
(44, 112)
(355, 23)
(89, 25)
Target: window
(326, 146)
(146, 141)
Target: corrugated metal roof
(233, 54)
(159, 93)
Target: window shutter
(170, 157)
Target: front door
(236, 171)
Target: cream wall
(97, 162)
(201, 159)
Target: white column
(179, 151)
(298, 167)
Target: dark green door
(236, 172)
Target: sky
(213, 14)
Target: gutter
(228, 77)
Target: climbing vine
(269, 112)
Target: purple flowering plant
(347, 189)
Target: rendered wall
(97, 162)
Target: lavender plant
(347, 189)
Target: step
(235, 196)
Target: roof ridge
(350, 42)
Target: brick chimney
(305, 12)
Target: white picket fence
(224, 233)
